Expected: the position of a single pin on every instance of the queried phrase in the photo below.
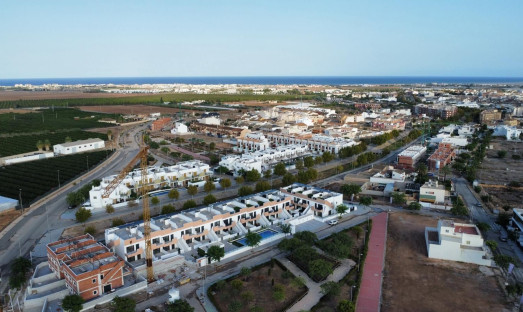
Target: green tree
(493, 245)
(318, 160)
(252, 175)
(123, 304)
(47, 144)
(341, 209)
(422, 174)
(19, 270)
(180, 305)
(173, 194)
(244, 272)
(252, 239)
(82, 215)
(209, 186)
(280, 170)
(399, 198)
(117, 222)
(285, 228)
(225, 183)
(244, 191)
(168, 209)
(503, 261)
(319, 269)
(155, 200)
(308, 162)
(209, 199)
(109, 208)
(215, 253)
(240, 180)
(503, 219)
(327, 156)
(40, 145)
(68, 139)
(346, 306)
(307, 237)
(212, 146)
(189, 204)
(366, 201)
(262, 186)
(414, 206)
(288, 179)
(459, 209)
(350, 189)
(299, 164)
(192, 190)
(483, 227)
(267, 174)
(72, 303)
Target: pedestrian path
(369, 296)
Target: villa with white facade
(251, 141)
(158, 177)
(80, 146)
(315, 142)
(456, 242)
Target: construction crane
(142, 156)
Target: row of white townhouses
(262, 160)
(182, 232)
(157, 177)
(315, 142)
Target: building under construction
(441, 157)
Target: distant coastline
(268, 80)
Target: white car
(333, 222)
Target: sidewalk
(369, 297)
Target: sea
(268, 80)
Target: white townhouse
(321, 202)
(457, 242)
(251, 141)
(78, 146)
(157, 177)
(315, 142)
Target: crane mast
(146, 216)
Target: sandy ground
(7, 217)
(415, 283)
(15, 110)
(501, 171)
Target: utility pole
(87, 159)
(20, 197)
(59, 178)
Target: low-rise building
(251, 141)
(441, 157)
(315, 142)
(78, 146)
(457, 242)
(159, 124)
(322, 202)
(158, 177)
(179, 128)
(434, 195)
(388, 175)
(408, 158)
(509, 133)
(210, 120)
(436, 110)
(25, 157)
(489, 116)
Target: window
(102, 276)
(94, 280)
(95, 292)
(468, 242)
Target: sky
(62, 39)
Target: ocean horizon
(268, 80)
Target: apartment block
(436, 110)
(263, 160)
(251, 141)
(89, 268)
(408, 158)
(441, 157)
(489, 116)
(178, 175)
(315, 142)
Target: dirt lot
(501, 171)
(415, 283)
(43, 95)
(7, 217)
(15, 111)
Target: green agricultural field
(155, 99)
(51, 120)
(19, 144)
(37, 178)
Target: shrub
(82, 215)
(109, 209)
(209, 199)
(90, 230)
(118, 222)
(168, 209)
(189, 204)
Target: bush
(90, 230)
(19, 270)
(155, 200)
(189, 204)
(477, 189)
(82, 215)
(123, 304)
(168, 209)
(503, 260)
(414, 206)
(72, 303)
(262, 186)
(109, 209)
(209, 199)
(244, 191)
(118, 222)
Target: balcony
(195, 235)
(244, 220)
(225, 227)
(136, 252)
(271, 213)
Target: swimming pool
(263, 233)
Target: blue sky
(48, 39)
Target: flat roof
(80, 142)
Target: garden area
(267, 287)
(341, 296)
(19, 144)
(50, 120)
(39, 177)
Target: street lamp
(87, 160)
(359, 260)
(351, 288)
(20, 197)
(58, 178)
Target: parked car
(72, 207)
(333, 222)
(503, 236)
(478, 205)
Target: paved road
(39, 220)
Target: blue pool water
(264, 234)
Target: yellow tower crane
(143, 190)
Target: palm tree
(47, 144)
(68, 139)
(445, 170)
(109, 134)
(40, 145)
